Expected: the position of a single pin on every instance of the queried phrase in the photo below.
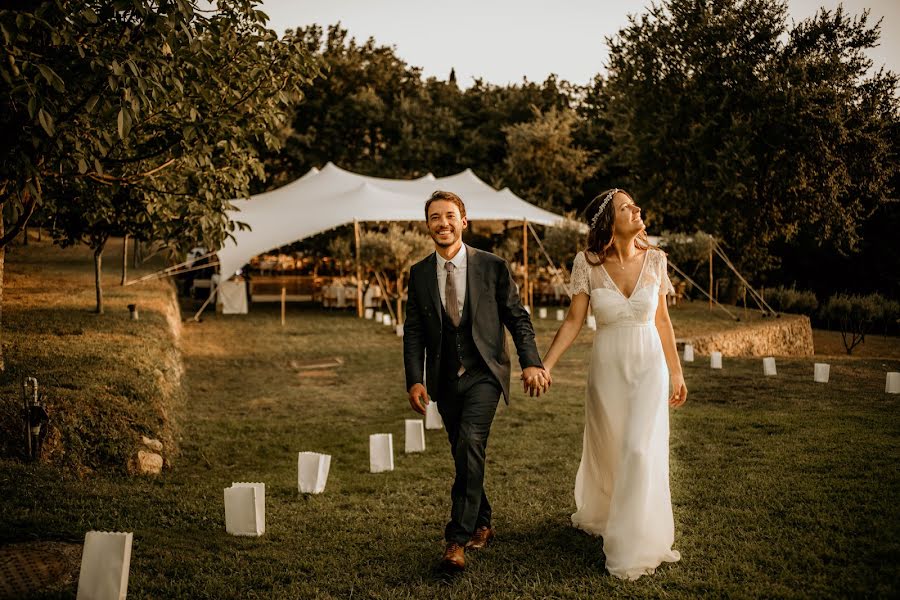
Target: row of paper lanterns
(821, 371)
(245, 501)
(106, 557)
(385, 319)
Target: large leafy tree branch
(140, 117)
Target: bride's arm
(568, 331)
(667, 337)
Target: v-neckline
(636, 283)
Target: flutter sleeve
(581, 282)
(665, 284)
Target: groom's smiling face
(445, 224)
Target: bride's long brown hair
(601, 235)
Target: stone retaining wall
(789, 335)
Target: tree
(153, 102)
(854, 316)
(542, 163)
(564, 241)
(731, 121)
(396, 250)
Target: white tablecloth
(233, 297)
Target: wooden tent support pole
(212, 292)
(710, 274)
(360, 311)
(525, 262)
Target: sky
(502, 41)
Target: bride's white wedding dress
(622, 486)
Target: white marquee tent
(322, 200)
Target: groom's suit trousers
(467, 405)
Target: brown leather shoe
(481, 538)
(454, 558)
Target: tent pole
(212, 292)
(359, 294)
(710, 274)
(700, 289)
(525, 260)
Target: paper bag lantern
(370, 312)
(386, 319)
(245, 508)
(381, 452)
(415, 435)
(560, 314)
(688, 353)
(312, 472)
(379, 316)
(542, 313)
(105, 562)
(592, 322)
(821, 372)
(892, 385)
(715, 360)
(433, 418)
(400, 330)
(769, 366)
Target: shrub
(792, 300)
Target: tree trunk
(2, 266)
(400, 298)
(98, 268)
(124, 259)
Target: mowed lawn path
(781, 487)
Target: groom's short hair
(449, 197)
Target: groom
(460, 299)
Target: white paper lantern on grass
(381, 452)
(892, 384)
(688, 353)
(379, 316)
(105, 563)
(560, 314)
(312, 472)
(386, 319)
(769, 366)
(592, 322)
(821, 371)
(433, 418)
(415, 435)
(370, 313)
(400, 330)
(245, 508)
(715, 360)
(542, 312)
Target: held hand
(536, 380)
(679, 391)
(418, 398)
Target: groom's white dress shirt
(459, 277)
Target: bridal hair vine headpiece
(603, 204)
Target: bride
(622, 485)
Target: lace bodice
(609, 304)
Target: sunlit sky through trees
(502, 41)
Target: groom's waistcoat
(457, 344)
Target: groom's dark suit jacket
(494, 302)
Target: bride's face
(628, 222)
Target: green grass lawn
(781, 487)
